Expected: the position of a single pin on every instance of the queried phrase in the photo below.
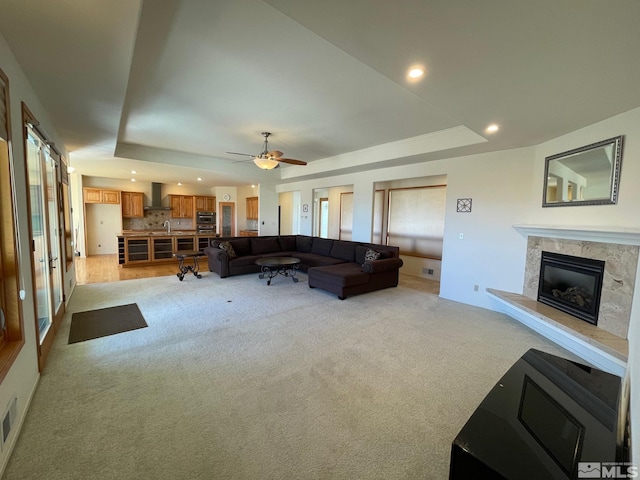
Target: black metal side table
(272, 266)
(182, 255)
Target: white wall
(285, 201)
(268, 210)
(22, 378)
(103, 223)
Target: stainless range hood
(156, 198)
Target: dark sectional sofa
(342, 267)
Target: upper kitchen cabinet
(252, 208)
(181, 206)
(132, 204)
(205, 204)
(98, 195)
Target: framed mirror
(588, 175)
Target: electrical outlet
(476, 288)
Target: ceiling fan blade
(275, 153)
(291, 161)
(245, 154)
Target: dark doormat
(104, 322)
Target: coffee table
(272, 266)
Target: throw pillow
(226, 246)
(371, 255)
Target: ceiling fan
(268, 160)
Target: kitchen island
(150, 247)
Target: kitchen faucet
(167, 224)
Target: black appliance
(210, 229)
(547, 418)
(206, 218)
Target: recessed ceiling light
(416, 72)
(133, 172)
(180, 183)
(199, 179)
(493, 128)
(133, 179)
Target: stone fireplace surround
(605, 346)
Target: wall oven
(206, 218)
(206, 222)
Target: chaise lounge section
(341, 267)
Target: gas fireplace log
(575, 295)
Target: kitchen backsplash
(154, 220)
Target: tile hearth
(601, 348)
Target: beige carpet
(236, 380)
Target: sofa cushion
(361, 251)
(321, 246)
(371, 254)
(243, 261)
(242, 246)
(227, 247)
(287, 244)
(313, 260)
(343, 250)
(260, 245)
(341, 275)
(303, 244)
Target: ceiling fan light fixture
(265, 163)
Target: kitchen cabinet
(132, 204)
(136, 250)
(205, 204)
(98, 195)
(162, 248)
(184, 243)
(252, 208)
(181, 206)
(248, 233)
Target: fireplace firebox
(571, 284)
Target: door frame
(44, 347)
(320, 217)
(221, 206)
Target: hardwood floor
(105, 268)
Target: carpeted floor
(236, 380)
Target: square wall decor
(464, 205)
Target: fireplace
(571, 284)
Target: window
(11, 320)
(416, 220)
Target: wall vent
(9, 418)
